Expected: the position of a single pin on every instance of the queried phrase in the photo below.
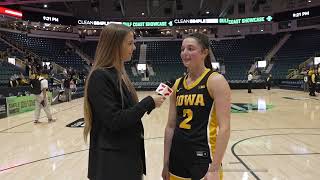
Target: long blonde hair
(108, 54)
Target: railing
(82, 54)
(305, 63)
(292, 73)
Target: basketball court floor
(276, 139)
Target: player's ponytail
(207, 60)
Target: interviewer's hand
(158, 100)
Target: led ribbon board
(148, 24)
(245, 20)
(10, 12)
(185, 22)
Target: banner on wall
(17, 105)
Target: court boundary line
(235, 130)
(232, 150)
(43, 159)
(17, 132)
(253, 137)
(284, 154)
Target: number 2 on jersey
(188, 114)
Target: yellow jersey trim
(174, 177)
(175, 86)
(196, 82)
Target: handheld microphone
(164, 89)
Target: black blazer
(116, 138)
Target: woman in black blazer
(112, 111)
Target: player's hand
(158, 100)
(212, 176)
(165, 173)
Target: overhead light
(261, 30)
(309, 1)
(142, 14)
(207, 12)
(45, 5)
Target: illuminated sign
(93, 23)
(10, 12)
(245, 20)
(195, 21)
(130, 24)
(50, 19)
(179, 22)
(298, 14)
(301, 14)
(148, 24)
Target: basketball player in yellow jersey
(198, 128)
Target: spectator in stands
(27, 69)
(51, 67)
(22, 80)
(250, 78)
(39, 87)
(13, 82)
(38, 67)
(312, 82)
(112, 111)
(45, 67)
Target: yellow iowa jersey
(196, 123)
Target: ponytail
(207, 60)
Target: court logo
(76, 124)
(248, 107)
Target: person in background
(39, 88)
(250, 78)
(313, 83)
(268, 81)
(67, 90)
